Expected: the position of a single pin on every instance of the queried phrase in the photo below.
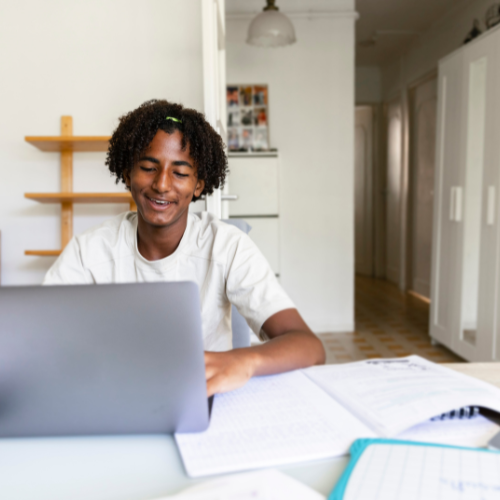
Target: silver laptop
(101, 359)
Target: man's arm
(293, 345)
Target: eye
(178, 174)
(147, 169)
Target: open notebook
(319, 412)
(389, 469)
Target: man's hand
(292, 346)
(226, 371)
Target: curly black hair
(137, 129)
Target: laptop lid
(101, 359)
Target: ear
(200, 186)
(126, 176)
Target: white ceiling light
(271, 28)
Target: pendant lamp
(271, 28)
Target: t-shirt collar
(168, 261)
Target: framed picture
(247, 118)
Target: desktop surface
(116, 468)
(135, 468)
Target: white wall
(368, 84)
(311, 114)
(94, 60)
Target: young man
(168, 156)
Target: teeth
(160, 202)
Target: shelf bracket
(66, 183)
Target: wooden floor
(389, 323)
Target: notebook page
(394, 472)
(272, 420)
(392, 395)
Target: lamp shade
(271, 28)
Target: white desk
(134, 468)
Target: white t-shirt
(221, 259)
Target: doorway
(406, 141)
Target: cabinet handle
(229, 197)
(456, 204)
(490, 209)
(452, 204)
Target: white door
(214, 79)
(423, 147)
(363, 205)
(393, 189)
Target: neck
(155, 243)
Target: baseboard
(336, 328)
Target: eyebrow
(150, 159)
(178, 163)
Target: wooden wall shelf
(80, 197)
(66, 144)
(70, 143)
(43, 253)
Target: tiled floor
(389, 323)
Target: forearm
(287, 352)
(292, 346)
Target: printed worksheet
(394, 472)
(272, 420)
(392, 395)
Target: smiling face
(163, 181)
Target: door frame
(398, 97)
(214, 79)
(368, 194)
(409, 165)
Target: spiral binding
(462, 413)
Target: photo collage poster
(247, 118)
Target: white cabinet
(254, 179)
(466, 226)
(445, 237)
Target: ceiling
(399, 22)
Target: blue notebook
(389, 469)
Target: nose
(162, 181)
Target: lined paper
(392, 395)
(272, 420)
(394, 472)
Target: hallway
(389, 323)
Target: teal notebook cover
(360, 445)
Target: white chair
(239, 326)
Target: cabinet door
(255, 181)
(474, 338)
(489, 276)
(447, 182)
